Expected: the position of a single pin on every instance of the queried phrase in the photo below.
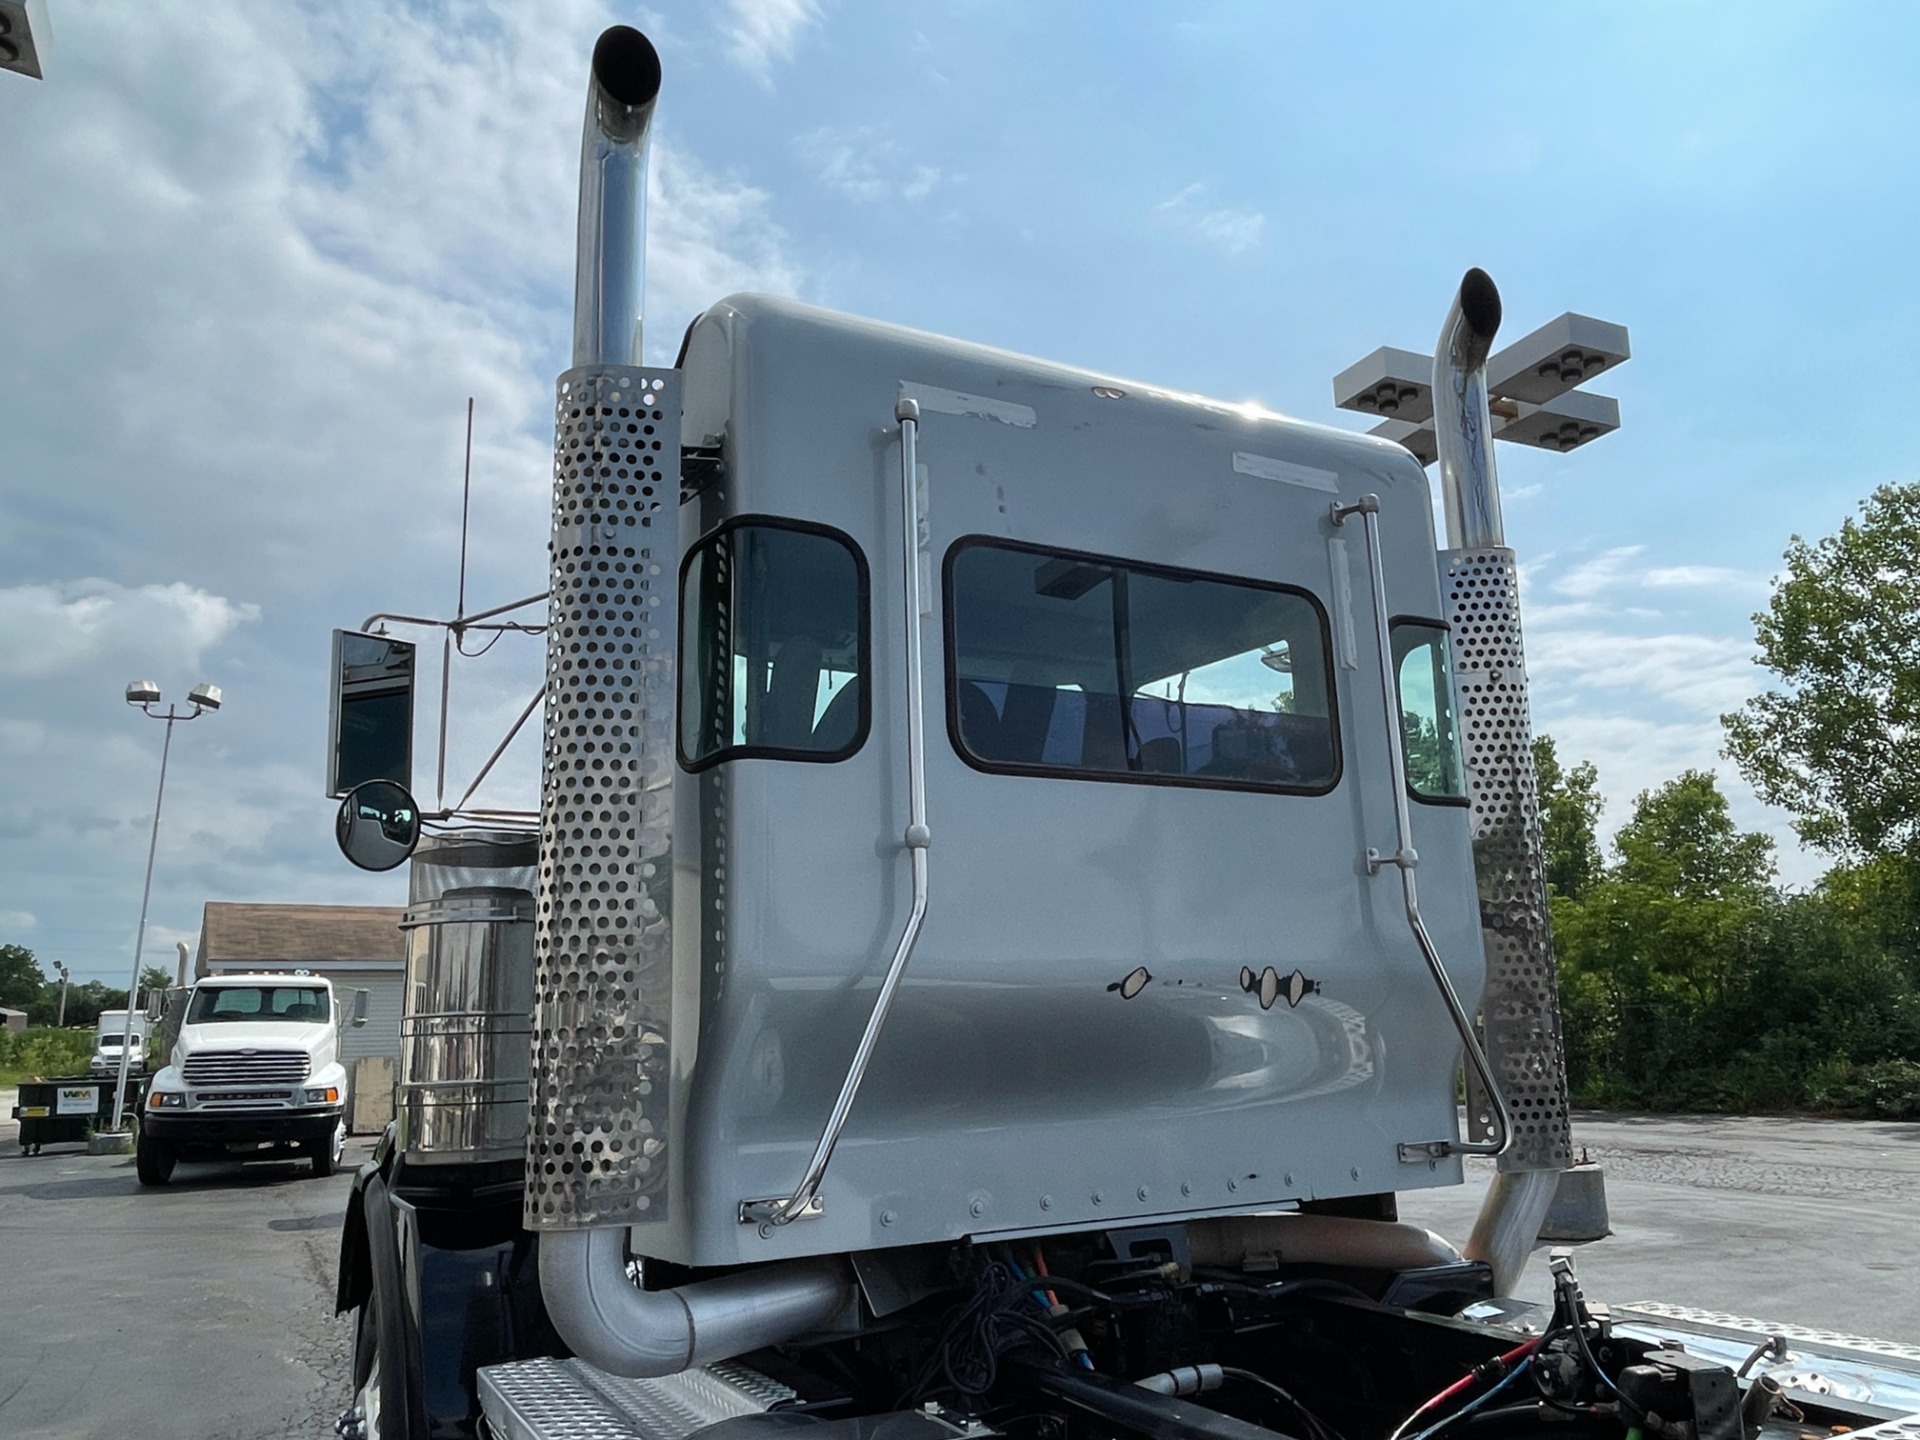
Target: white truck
(254, 1074)
(109, 1034)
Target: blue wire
(1468, 1409)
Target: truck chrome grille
(230, 1067)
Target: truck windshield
(302, 1004)
(1109, 670)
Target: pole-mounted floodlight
(145, 694)
(1530, 388)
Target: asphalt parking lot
(206, 1309)
(1808, 1222)
(203, 1310)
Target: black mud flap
(355, 1285)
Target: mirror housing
(156, 1006)
(370, 711)
(378, 825)
(359, 1008)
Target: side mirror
(378, 825)
(370, 711)
(359, 1008)
(156, 1005)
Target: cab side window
(773, 648)
(1428, 727)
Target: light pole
(146, 695)
(60, 1020)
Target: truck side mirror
(156, 1006)
(370, 711)
(359, 1008)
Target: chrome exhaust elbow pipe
(612, 1324)
(611, 263)
(1462, 427)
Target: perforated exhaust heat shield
(1520, 1007)
(598, 1148)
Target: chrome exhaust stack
(1462, 425)
(610, 264)
(602, 1138)
(1520, 1007)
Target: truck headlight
(328, 1096)
(165, 1099)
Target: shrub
(1887, 1090)
(45, 1051)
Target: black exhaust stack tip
(627, 67)
(1479, 301)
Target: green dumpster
(67, 1109)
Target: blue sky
(258, 256)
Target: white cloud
(762, 33)
(866, 163)
(50, 629)
(709, 238)
(1691, 577)
(1605, 573)
(1644, 706)
(273, 252)
(15, 921)
(1706, 675)
(1231, 232)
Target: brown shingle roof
(231, 932)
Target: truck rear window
(1104, 669)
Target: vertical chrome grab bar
(1406, 859)
(770, 1213)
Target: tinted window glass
(1103, 669)
(773, 657)
(1427, 724)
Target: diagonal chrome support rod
(771, 1213)
(1405, 858)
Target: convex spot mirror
(378, 825)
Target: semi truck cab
(254, 1074)
(1019, 856)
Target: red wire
(1518, 1352)
(1040, 1264)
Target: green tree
(152, 977)
(1660, 946)
(21, 982)
(1682, 842)
(85, 1002)
(1842, 630)
(1570, 804)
